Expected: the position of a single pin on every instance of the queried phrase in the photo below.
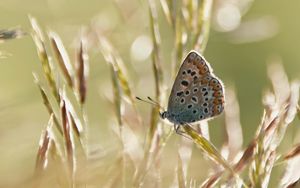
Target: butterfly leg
(180, 132)
(176, 128)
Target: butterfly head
(163, 115)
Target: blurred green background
(239, 56)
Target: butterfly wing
(197, 93)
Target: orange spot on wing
(204, 82)
(217, 93)
(218, 101)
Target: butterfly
(197, 94)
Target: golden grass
(63, 159)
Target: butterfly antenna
(155, 102)
(151, 101)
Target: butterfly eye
(205, 104)
(195, 78)
(183, 72)
(193, 73)
(163, 115)
(195, 90)
(189, 71)
(190, 106)
(194, 111)
(201, 117)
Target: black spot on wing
(184, 83)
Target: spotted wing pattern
(197, 93)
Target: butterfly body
(197, 94)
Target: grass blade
(207, 147)
(156, 66)
(117, 96)
(178, 43)
(203, 25)
(166, 10)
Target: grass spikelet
(61, 57)
(156, 66)
(75, 111)
(152, 147)
(65, 109)
(280, 113)
(203, 25)
(41, 160)
(12, 33)
(246, 158)
(232, 124)
(291, 175)
(121, 79)
(139, 154)
(212, 180)
(42, 53)
(81, 69)
(48, 105)
(112, 58)
(67, 136)
(295, 151)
